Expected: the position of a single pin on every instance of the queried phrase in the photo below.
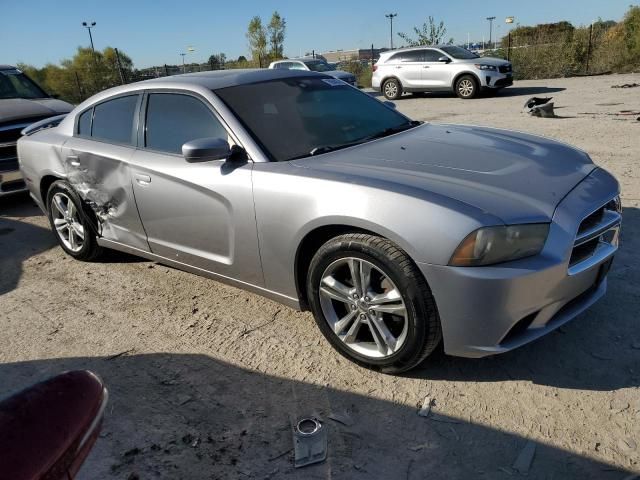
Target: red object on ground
(48, 429)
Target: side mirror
(444, 59)
(389, 104)
(206, 149)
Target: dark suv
(22, 102)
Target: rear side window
(174, 119)
(84, 123)
(410, 56)
(113, 119)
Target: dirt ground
(204, 379)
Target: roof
(419, 47)
(218, 79)
(7, 67)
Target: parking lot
(204, 379)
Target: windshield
(459, 52)
(15, 84)
(298, 117)
(318, 66)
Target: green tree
(257, 38)
(429, 34)
(276, 32)
(217, 61)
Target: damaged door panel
(99, 172)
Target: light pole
(89, 26)
(183, 68)
(390, 17)
(491, 19)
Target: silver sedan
(396, 234)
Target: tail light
(375, 67)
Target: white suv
(439, 68)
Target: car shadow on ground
(598, 350)
(194, 416)
(505, 92)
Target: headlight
(490, 245)
(482, 66)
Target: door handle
(73, 160)
(143, 179)
(425, 66)
(398, 66)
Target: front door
(96, 161)
(198, 214)
(436, 75)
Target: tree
(216, 61)
(430, 34)
(276, 31)
(241, 59)
(257, 38)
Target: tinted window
(174, 119)
(410, 56)
(15, 84)
(296, 116)
(113, 119)
(432, 55)
(84, 123)
(459, 52)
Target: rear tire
(392, 89)
(388, 322)
(70, 222)
(467, 87)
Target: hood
(23, 108)
(340, 74)
(516, 177)
(486, 60)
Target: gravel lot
(204, 379)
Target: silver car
(396, 234)
(439, 68)
(314, 65)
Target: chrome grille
(597, 237)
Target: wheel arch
(315, 238)
(391, 77)
(45, 184)
(461, 74)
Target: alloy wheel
(390, 89)
(465, 87)
(66, 220)
(363, 307)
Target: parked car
(439, 68)
(22, 102)
(396, 234)
(314, 65)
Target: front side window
(113, 120)
(298, 117)
(174, 119)
(432, 55)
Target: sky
(37, 32)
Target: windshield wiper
(384, 133)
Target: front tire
(467, 87)
(70, 222)
(392, 89)
(372, 303)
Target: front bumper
(491, 80)
(494, 309)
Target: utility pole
(122, 79)
(390, 16)
(89, 26)
(589, 47)
(491, 19)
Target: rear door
(436, 75)
(96, 161)
(407, 66)
(199, 214)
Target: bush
(361, 70)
